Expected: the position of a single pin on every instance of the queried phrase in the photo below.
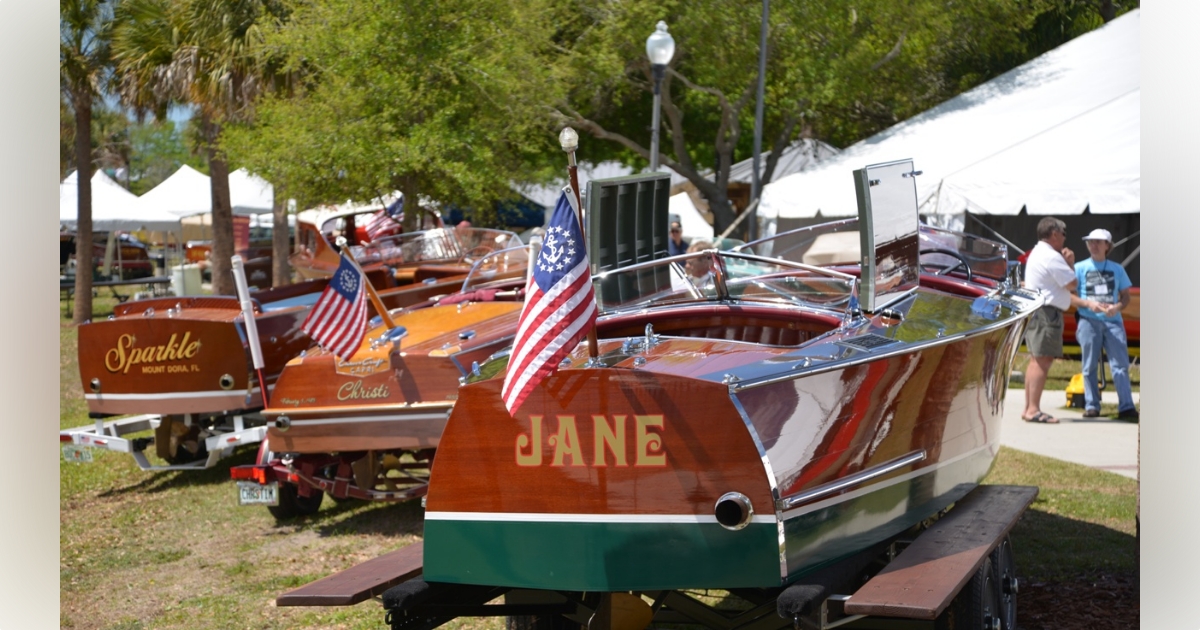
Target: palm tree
(198, 53)
(85, 29)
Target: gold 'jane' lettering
(611, 436)
(649, 445)
(124, 355)
(534, 456)
(566, 442)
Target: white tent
(113, 207)
(1056, 135)
(803, 154)
(250, 194)
(188, 191)
(693, 223)
(184, 193)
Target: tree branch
(892, 54)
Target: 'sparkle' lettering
(126, 354)
(607, 437)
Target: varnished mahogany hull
(219, 377)
(579, 519)
(153, 360)
(383, 399)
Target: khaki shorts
(1044, 335)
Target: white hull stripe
(876, 487)
(638, 519)
(304, 422)
(172, 395)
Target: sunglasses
(676, 230)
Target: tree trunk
(412, 209)
(281, 272)
(222, 215)
(83, 227)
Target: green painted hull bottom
(601, 556)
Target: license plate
(76, 453)
(250, 493)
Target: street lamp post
(660, 47)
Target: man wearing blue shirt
(1106, 283)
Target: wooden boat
(347, 427)
(740, 434)
(187, 359)
(316, 256)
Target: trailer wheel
(976, 607)
(1004, 568)
(178, 443)
(291, 504)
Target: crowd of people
(1099, 289)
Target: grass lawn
(170, 550)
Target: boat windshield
(713, 275)
(434, 245)
(497, 267)
(837, 243)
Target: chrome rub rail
(787, 503)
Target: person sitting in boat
(1105, 282)
(696, 272)
(699, 269)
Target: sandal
(1041, 417)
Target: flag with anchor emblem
(338, 321)
(560, 306)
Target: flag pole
(378, 303)
(243, 291)
(569, 140)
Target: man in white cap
(1105, 282)
(1047, 269)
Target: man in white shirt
(1049, 269)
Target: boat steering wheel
(941, 270)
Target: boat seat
(299, 300)
(768, 335)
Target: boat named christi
(366, 427)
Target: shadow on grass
(1052, 547)
(355, 517)
(168, 480)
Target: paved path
(1110, 445)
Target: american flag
(338, 321)
(386, 221)
(560, 306)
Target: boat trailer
(216, 438)
(955, 572)
(292, 484)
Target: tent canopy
(188, 191)
(1054, 136)
(802, 155)
(693, 223)
(113, 207)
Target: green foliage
(158, 150)
(436, 98)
